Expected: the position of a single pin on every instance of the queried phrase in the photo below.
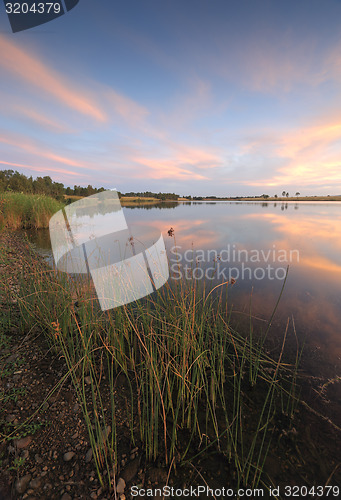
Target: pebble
(88, 455)
(87, 380)
(130, 471)
(22, 483)
(68, 456)
(23, 442)
(38, 459)
(121, 484)
(66, 496)
(35, 483)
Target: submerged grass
(26, 211)
(193, 383)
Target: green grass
(26, 211)
(193, 383)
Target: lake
(254, 243)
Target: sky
(196, 97)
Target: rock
(68, 456)
(22, 483)
(38, 459)
(23, 442)
(157, 475)
(87, 380)
(120, 486)
(35, 483)
(66, 496)
(88, 455)
(130, 471)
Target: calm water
(254, 243)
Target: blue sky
(195, 97)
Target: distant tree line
(149, 194)
(11, 180)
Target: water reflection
(312, 292)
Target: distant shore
(125, 200)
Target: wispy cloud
(38, 150)
(154, 168)
(35, 168)
(302, 156)
(127, 109)
(30, 69)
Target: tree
(287, 195)
(297, 194)
(283, 193)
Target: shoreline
(52, 456)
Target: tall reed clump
(26, 211)
(191, 382)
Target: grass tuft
(192, 383)
(26, 211)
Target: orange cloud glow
(310, 154)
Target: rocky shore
(44, 444)
(45, 451)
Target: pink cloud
(308, 155)
(127, 109)
(29, 147)
(41, 119)
(30, 69)
(39, 169)
(165, 169)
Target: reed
(26, 211)
(192, 382)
